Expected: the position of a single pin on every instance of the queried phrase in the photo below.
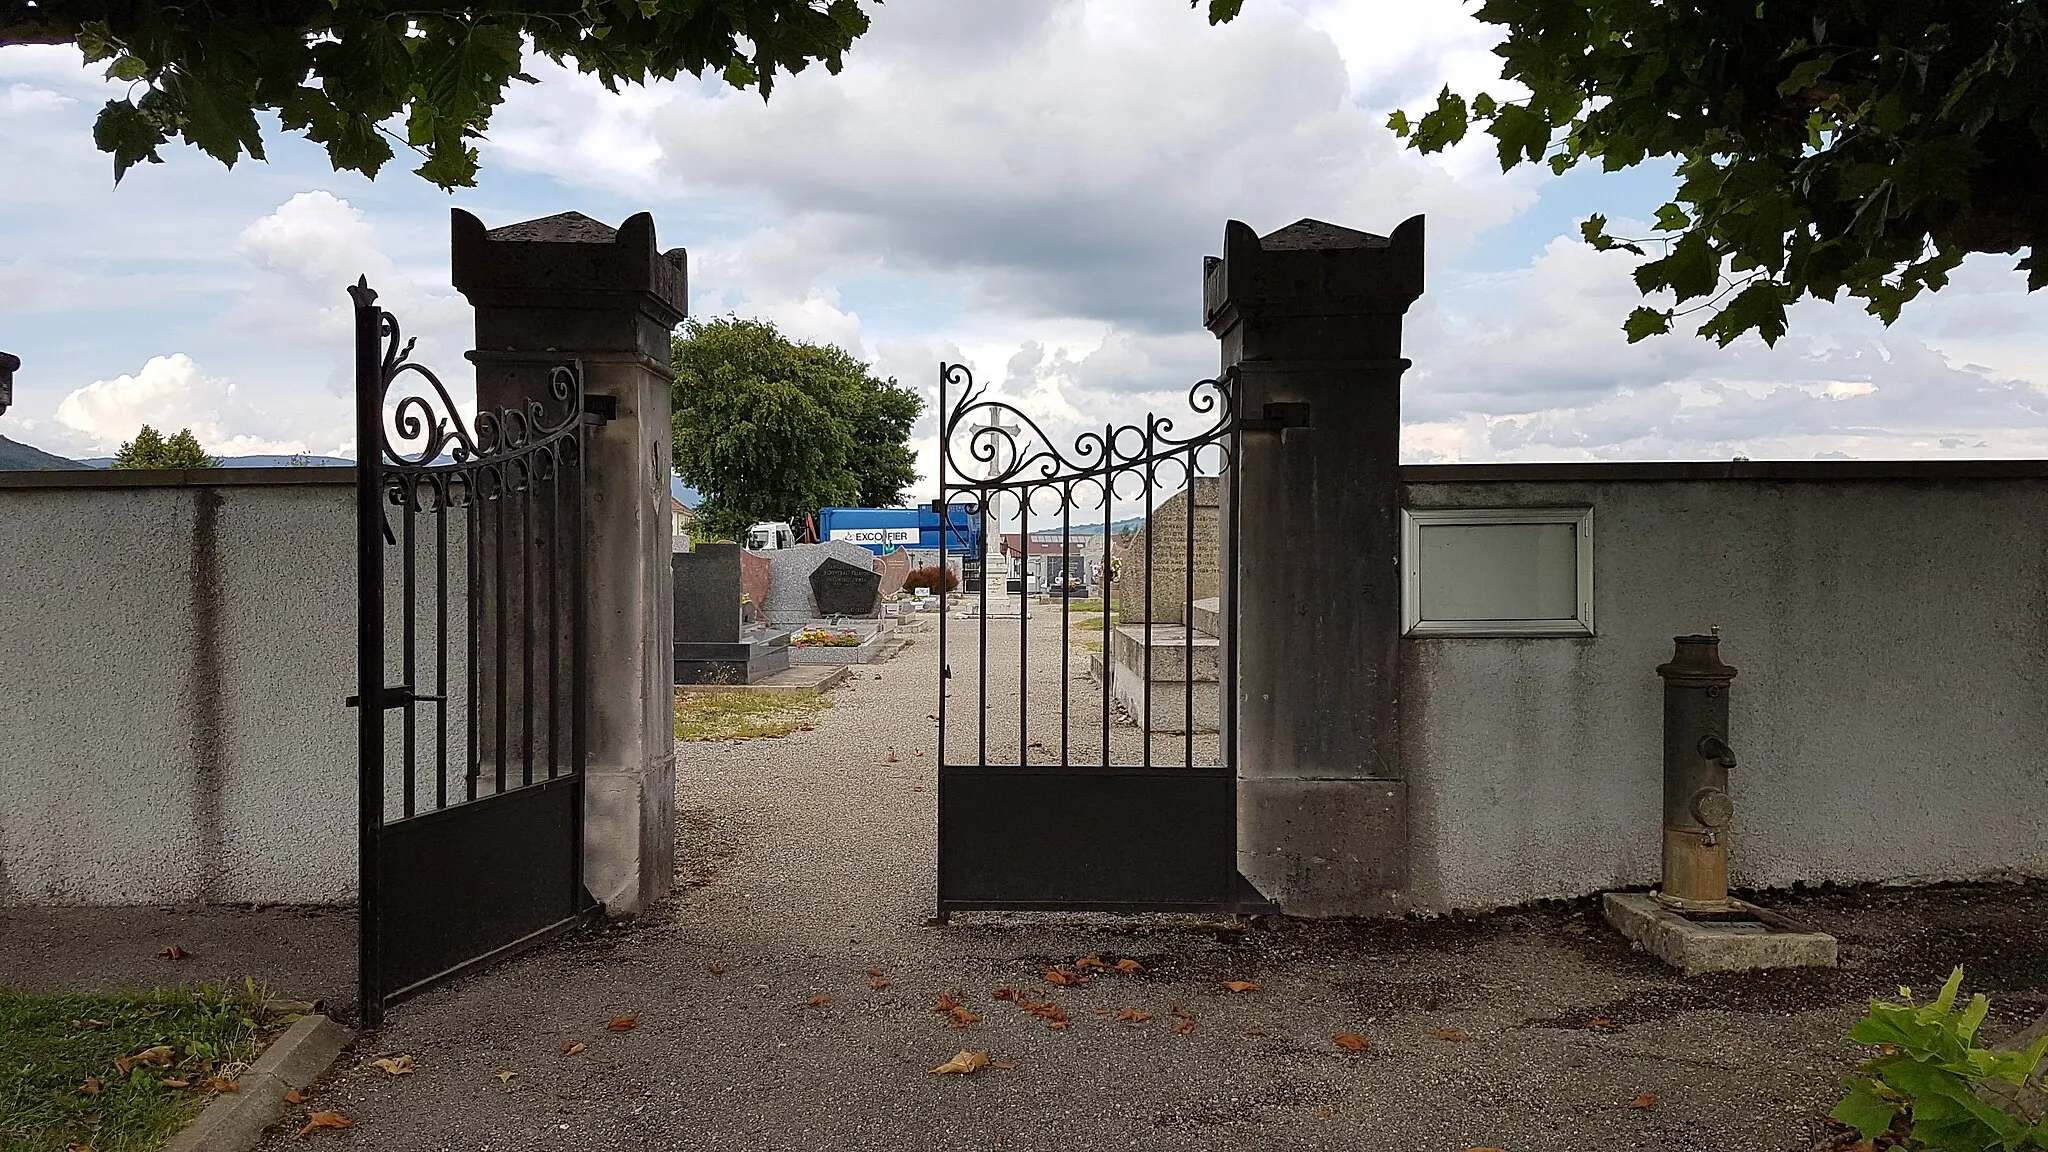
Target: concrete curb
(235, 1121)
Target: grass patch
(1095, 605)
(55, 1050)
(1079, 621)
(743, 715)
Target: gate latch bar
(395, 696)
(599, 409)
(1289, 414)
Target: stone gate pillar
(1310, 317)
(568, 287)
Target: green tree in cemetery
(1823, 147)
(339, 70)
(150, 449)
(768, 428)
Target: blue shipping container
(886, 529)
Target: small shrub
(1928, 1070)
(931, 578)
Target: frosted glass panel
(1498, 571)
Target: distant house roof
(675, 505)
(1043, 546)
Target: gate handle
(395, 696)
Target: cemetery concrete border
(235, 1121)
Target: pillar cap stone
(568, 258)
(1311, 268)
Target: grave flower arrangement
(825, 638)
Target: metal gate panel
(471, 653)
(1096, 795)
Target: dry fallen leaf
(1004, 1065)
(1132, 1016)
(626, 1023)
(1599, 1023)
(159, 1056)
(400, 1065)
(820, 1000)
(1058, 976)
(1644, 1102)
(1240, 985)
(90, 1025)
(1089, 961)
(877, 983)
(1003, 994)
(218, 1084)
(78, 1148)
(1450, 1034)
(1255, 1032)
(294, 1096)
(173, 953)
(1128, 966)
(91, 1087)
(965, 1063)
(506, 1076)
(718, 969)
(176, 1082)
(1187, 1025)
(1351, 1041)
(874, 973)
(962, 1017)
(319, 1120)
(946, 1002)
(573, 1048)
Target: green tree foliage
(1823, 147)
(772, 429)
(150, 449)
(338, 70)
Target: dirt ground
(807, 860)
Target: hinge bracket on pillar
(600, 410)
(1293, 414)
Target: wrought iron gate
(1071, 772)
(473, 848)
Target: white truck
(770, 535)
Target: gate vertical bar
(369, 642)
(579, 645)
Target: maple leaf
(1128, 966)
(395, 1065)
(1132, 1016)
(1644, 1102)
(1351, 1041)
(626, 1023)
(964, 1063)
(319, 1120)
(1240, 986)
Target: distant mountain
(1116, 527)
(248, 462)
(16, 456)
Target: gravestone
(1168, 530)
(895, 569)
(789, 600)
(715, 641)
(754, 582)
(842, 589)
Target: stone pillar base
(629, 820)
(1325, 848)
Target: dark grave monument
(842, 589)
(717, 642)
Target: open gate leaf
(964, 1063)
(319, 1120)
(1351, 1041)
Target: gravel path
(808, 860)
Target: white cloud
(169, 393)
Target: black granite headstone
(843, 589)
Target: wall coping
(1781, 470)
(174, 477)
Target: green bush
(1928, 1070)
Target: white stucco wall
(176, 650)
(1890, 715)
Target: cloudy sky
(1029, 186)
